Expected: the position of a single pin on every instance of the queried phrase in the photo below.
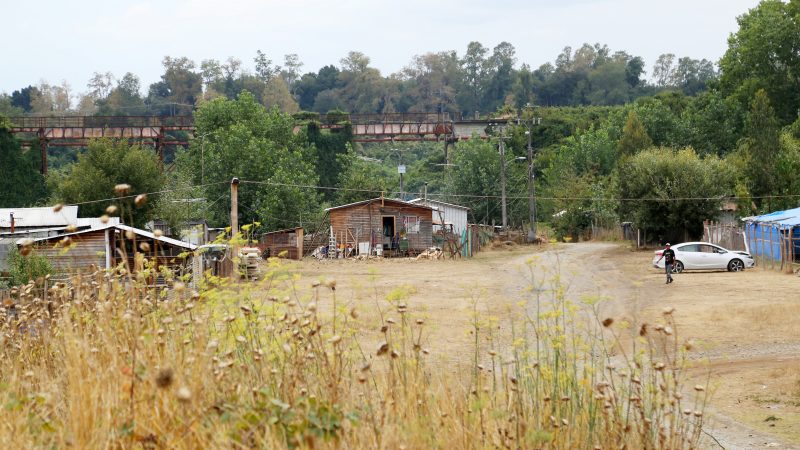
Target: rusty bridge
(162, 131)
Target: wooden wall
(277, 242)
(86, 249)
(363, 223)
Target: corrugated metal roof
(38, 217)
(388, 200)
(437, 202)
(789, 217)
(121, 227)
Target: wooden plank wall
(361, 222)
(87, 249)
(289, 241)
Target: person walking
(669, 259)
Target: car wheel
(677, 267)
(736, 265)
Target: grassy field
(401, 354)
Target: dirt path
(745, 324)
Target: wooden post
(234, 207)
(234, 247)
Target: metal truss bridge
(162, 131)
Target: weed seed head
(164, 378)
(122, 189)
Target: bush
(26, 268)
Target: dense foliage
(21, 184)
(106, 164)
(240, 138)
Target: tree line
(478, 82)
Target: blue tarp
(766, 234)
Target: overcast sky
(57, 40)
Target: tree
(474, 68)
(763, 54)
(634, 136)
(761, 146)
(362, 178)
(669, 192)
(106, 164)
(259, 146)
(21, 183)
(276, 94)
(664, 70)
(264, 68)
(179, 89)
(24, 98)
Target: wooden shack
(382, 226)
(103, 248)
(284, 243)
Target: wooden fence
(726, 235)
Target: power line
(88, 202)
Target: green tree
(763, 54)
(259, 146)
(761, 146)
(362, 178)
(106, 164)
(21, 183)
(669, 192)
(634, 136)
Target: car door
(688, 255)
(706, 257)
(717, 258)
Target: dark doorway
(388, 231)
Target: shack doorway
(388, 231)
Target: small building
(382, 225)
(283, 242)
(41, 222)
(104, 248)
(774, 237)
(452, 218)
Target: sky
(56, 40)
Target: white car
(705, 256)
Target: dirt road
(745, 324)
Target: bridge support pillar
(43, 150)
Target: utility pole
(234, 207)
(503, 181)
(529, 122)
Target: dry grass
(106, 362)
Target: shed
(774, 236)
(276, 243)
(104, 248)
(381, 224)
(452, 218)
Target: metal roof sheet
(121, 227)
(38, 217)
(390, 200)
(438, 202)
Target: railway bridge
(161, 131)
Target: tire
(735, 265)
(677, 267)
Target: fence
(726, 235)
(774, 246)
